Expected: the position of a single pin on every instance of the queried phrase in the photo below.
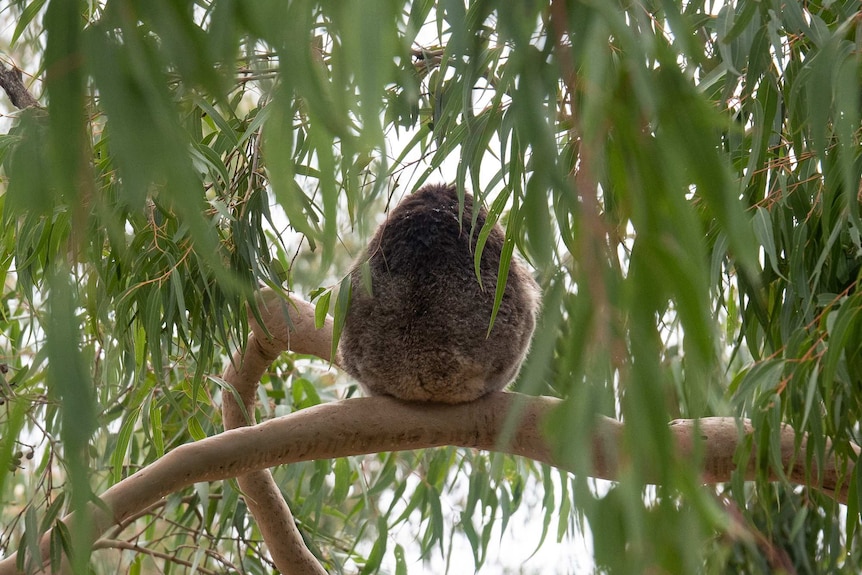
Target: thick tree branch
(262, 495)
(11, 82)
(378, 424)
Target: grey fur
(422, 332)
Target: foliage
(684, 178)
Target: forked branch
(378, 424)
(262, 495)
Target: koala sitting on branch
(421, 333)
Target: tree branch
(379, 424)
(11, 82)
(262, 495)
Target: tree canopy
(185, 185)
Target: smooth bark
(262, 495)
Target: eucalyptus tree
(185, 186)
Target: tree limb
(379, 424)
(262, 495)
(11, 82)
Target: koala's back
(422, 332)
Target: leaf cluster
(683, 177)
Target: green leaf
(156, 429)
(493, 216)
(194, 428)
(848, 319)
(505, 261)
(340, 314)
(61, 544)
(121, 449)
(224, 126)
(31, 532)
(27, 15)
(228, 388)
(343, 478)
(378, 551)
(764, 233)
(400, 561)
(321, 309)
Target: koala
(421, 334)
